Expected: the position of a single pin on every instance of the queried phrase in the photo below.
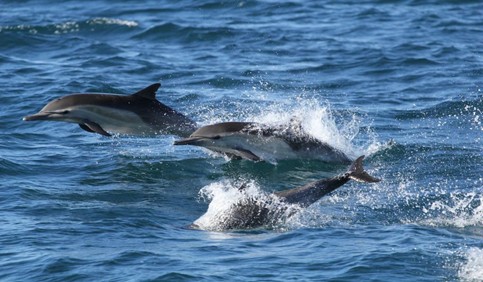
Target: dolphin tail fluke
(357, 172)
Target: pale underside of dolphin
(139, 114)
(277, 207)
(256, 142)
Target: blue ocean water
(399, 81)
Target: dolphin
(106, 114)
(272, 209)
(257, 142)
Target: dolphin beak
(188, 141)
(37, 116)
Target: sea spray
(455, 209)
(237, 205)
(472, 268)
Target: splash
(340, 130)
(460, 210)
(233, 207)
(472, 269)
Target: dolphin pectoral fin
(248, 155)
(186, 141)
(86, 128)
(94, 128)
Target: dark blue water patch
(129, 257)
(109, 194)
(374, 13)
(442, 3)
(223, 82)
(414, 164)
(11, 168)
(48, 42)
(83, 51)
(144, 10)
(180, 276)
(421, 267)
(10, 268)
(227, 6)
(62, 265)
(108, 63)
(445, 109)
(443, 51)
(160, 172)
(338, 265)
(172, 31)
(21, 42)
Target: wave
(11, 168)
(69, 26)
(447, 109)
(219, 81)
(188, 33)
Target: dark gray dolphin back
(158, 115)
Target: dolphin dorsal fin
(148, 92)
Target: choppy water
(81, 207)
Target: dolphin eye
(64, 112)
(216, 137)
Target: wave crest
(69, 26)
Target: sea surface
(398, 81)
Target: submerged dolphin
(106, 114)
(276, 207)
(253, 141)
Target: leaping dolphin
(106, 114)
(254, 212)
(256, 142)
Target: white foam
(472, 268)
(225, 194)
(320, 121)
(222, 196)
(112, 21)
(461, 210)
(66, 27)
